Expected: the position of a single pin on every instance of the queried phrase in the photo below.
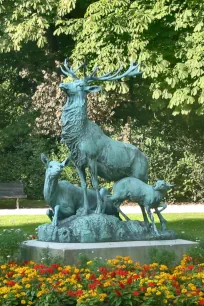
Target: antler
(69, 71)
(132, 71)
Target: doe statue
(89, 146)
(79, 214)
(64, 198)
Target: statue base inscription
(99, 228)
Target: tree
(166, 37)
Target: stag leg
(94, 179)
(152, 220)
(82, 176)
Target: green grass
(26, 223)
(187, 225)
(24, 203)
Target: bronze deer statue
(89, 146)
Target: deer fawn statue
(147, 196)
(89, 146)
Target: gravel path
(198, 208)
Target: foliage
(166, 37)
(197, 252)
(119, 282)
(175, 153)
(162, 256)
(22, 163)
(10, 241)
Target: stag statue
(89, 146)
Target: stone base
(137, 250)
(99, 228)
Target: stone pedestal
(69, 252)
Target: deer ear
(66, 161)
(93, 88)
(44, 159)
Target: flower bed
(116, 282)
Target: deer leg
(55, 218)
(82, 176)
(146, 221)
(152, 220)
(163, 222)
(94, 179)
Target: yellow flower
(23, 302)
(88, 276)
(163, 268)
(184, 291)
(89, 262)
(164, 301)
(27, 286)
(158, 293)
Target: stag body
(89, 146)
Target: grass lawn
(187, 225)
(26, 223)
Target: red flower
(65, 271)
(103, 270)
(92, 277)
(121, 272)
(118, 292)
(190, 267)
(129, 280)
(79, 292)
(151, 284)
(75, 293)
(78, 277)
(10, 283)
(143, 288)
(136, 276)
(55, 266)
(136, 293)
(121, 285)
(92, 286)
(9, 274)
(201, 302)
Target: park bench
(12, 191)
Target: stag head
(81, 85)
